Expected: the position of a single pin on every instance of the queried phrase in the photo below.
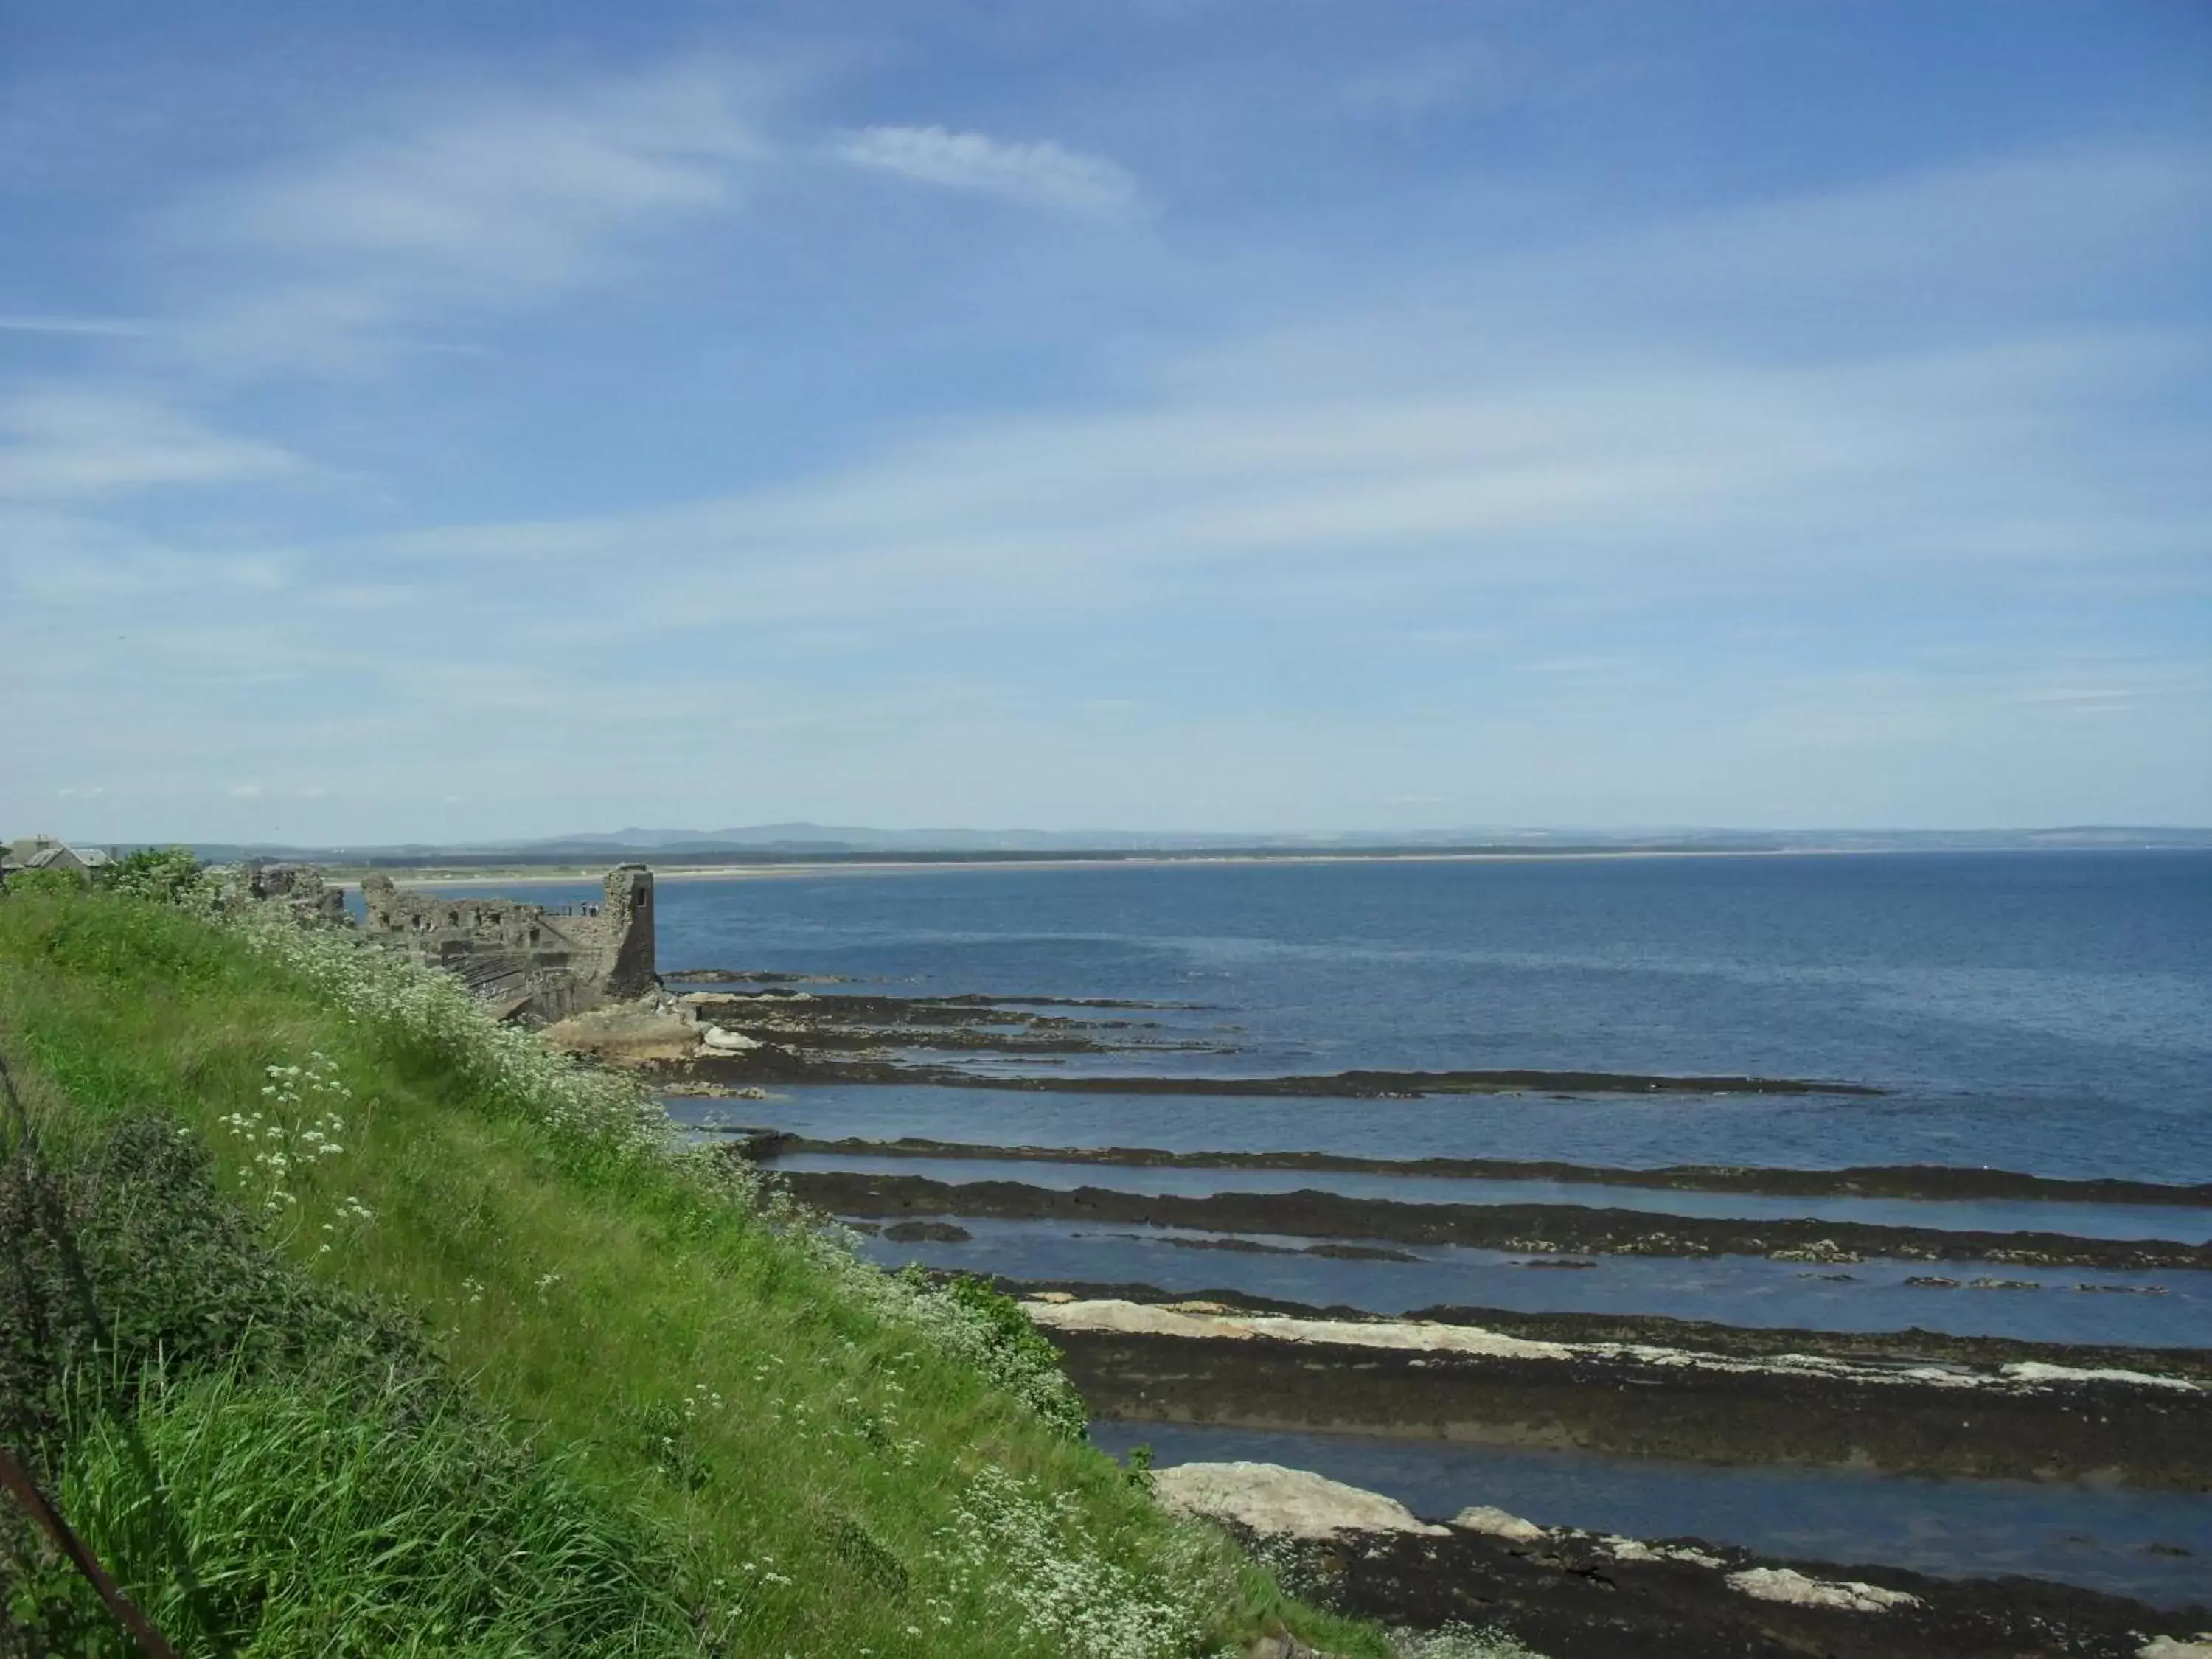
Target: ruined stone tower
(528, 961)
(627, 923)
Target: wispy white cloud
(496, 198)
(1524, 490)
(1040, 174)
(111, 328)
(1606, 483)
(72, 442)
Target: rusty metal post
(41, 1509)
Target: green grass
(321, 1523)
(820, 1471)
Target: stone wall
(300, 888)
(529, 961)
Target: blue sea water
(2049, 1012)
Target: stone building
(528, 961)
(47, 853)
(300, 888)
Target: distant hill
(796, 841)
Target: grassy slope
(816, 1466)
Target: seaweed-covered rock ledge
(2023, 1418)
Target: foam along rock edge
(2173, 1647)
(1782, 1584)
(1281, 1502)
(2034, 1370)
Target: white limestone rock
(1281, 1502)
(1499, 1523)
(1782, 1584)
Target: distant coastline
(880, 864)
(774, 868)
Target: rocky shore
(794, 1036)
(1905, 1181)
(1644, 1391)
(1574, 1594)
(1536, 1229)
(2021, 1414)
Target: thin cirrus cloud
(1663, 491)
(1586, 493)
(74, 443)
(1039, 174)
(496, 199)
(1460, 456)
(108, 328)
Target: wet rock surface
(2023, 1418)
(1536, 1229)
(1911, 1180)
(840, 1036)
(916, 1232)
(1572, 1594)
(826, 1031)
(1901, 1350)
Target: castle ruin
(528, 961)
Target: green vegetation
(315, 1521)
(162, 873)
(343, 1321)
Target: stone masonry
(300, 888)
(529, 961)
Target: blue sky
(446, 421)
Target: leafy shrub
(164, 874)
(969, 1319)
(33, 884)
(128, 1257)
(131, 1254)
(1138, 1469)
(1036, 1566)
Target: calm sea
(2050, 1012)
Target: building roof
(47, 853)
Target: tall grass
(813, 1449)
(317, 1524)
